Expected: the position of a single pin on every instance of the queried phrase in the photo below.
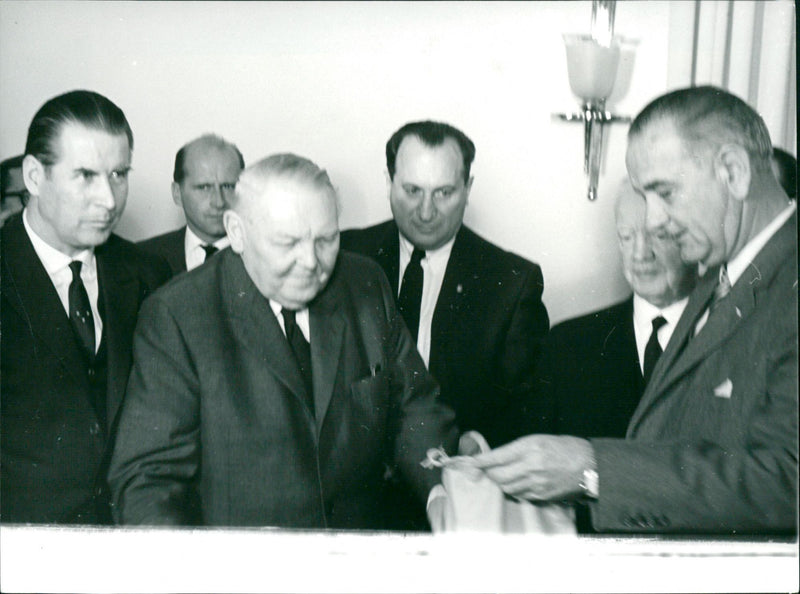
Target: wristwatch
(590, 483)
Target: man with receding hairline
(713, 444)
(71, 290)
(290, 387)
(205, 174)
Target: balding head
(651, 261)
(283, 221)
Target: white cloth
(56, 263)
(643, 314)
(301, 316)
(193, 247)
(433, 265)
(475, 503)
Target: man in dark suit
(594, 368)
(71, 291)
(290, 387)
(205, 174)
(474, 310)
(712, 446)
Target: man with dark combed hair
(712, 446)
(474, 310)
(70, 292)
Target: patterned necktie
(80, 310)
(410, 299)
(210, 250)
(301, 350)
(723, 287)
(653, 349)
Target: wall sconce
(592, 62)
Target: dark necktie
(80, 310)
(653, 349)
(210, 250)
(410, 298)
(301, 350)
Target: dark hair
(82, 107)
(432, 134)
(5, 167)
(179, 173)
(708, 117)
(787, 170)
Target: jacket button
(98, 491)
(91, 372)
(94, 429)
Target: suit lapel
(327, 336)
(119, 291)
(387, 255)
(30, 290)
(256, 326)
(686, 351)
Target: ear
(33, 174)
(234, 228)
(176, 194)
(468, 186)
(388, 182)
(733, 169)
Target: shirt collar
(194, 242)
(644, 311)
(55, 260)
(739, 263)
(434, 257)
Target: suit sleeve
(156, 455)
(424, 421)
(705, 486)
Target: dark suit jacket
(215, 429)
(170, 246)
(590, 373)
(487, 329)
(712, 446)
(53, 445)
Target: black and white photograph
(398, 296)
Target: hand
(539, 467)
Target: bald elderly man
(289, 390)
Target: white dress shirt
(433, 265)
(193, 247)
(56, 264)
(301, 317)
(739, 263)
(643, 314)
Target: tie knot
(658, 323)
(75, 267)
(289, 317)
(417, 255)
(209, 249)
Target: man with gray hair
(712, 446)
(288, 390)
(205, 174)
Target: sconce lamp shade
(592, 67)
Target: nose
(104, 193)
(307, 255)
(655, 214)
(641, 246)
(218, 197)
(427, 210)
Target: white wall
(332, 81)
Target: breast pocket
(371, 400)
